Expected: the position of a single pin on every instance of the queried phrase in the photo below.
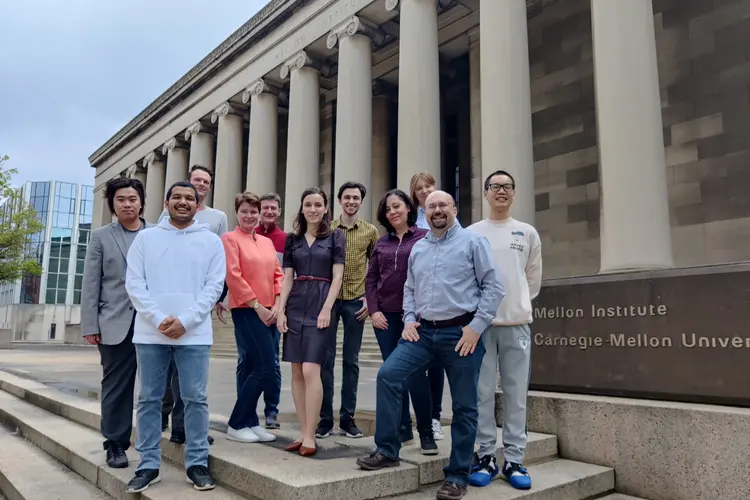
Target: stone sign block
(678, 334)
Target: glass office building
(65, 211)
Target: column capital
(172, 143)
(196, 128)
(297, 61)
(352, 26)
(224, 109)
(152, 157)
(391, 5)
(134, 169)
(258, 87)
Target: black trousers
(119, 366)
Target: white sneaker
(263, 435)
(242, 435)
(437, 430)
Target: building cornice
(244, 37)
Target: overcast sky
(72, 73)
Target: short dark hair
(352, 185)
(246, 197)
(184, 184)
(271, 197)
(114, 185)
(493, 174)
(411, 218)
(201, 167)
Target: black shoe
(164, 422)
(429, 446)
(142, 480)
(272, 421)
(198, 476)
(178, 436)
(405, 435)
(350, 430)
(451, 491)
(377, 461)
(116, 457)
(324, 429)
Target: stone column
(228, 178)
(136, 172)
(506, 100)
(155, 186)
(635, 228)
(177, 161)
(303, 143)
(263, 137)
(418, 90)
(354, 109)
(202, 145)
(381, 179)
(475, 117)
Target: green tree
(17, 223)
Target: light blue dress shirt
(451, 276)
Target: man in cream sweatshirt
(517, 250)
(175, 275)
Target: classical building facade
(624, 122)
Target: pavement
(76, 369)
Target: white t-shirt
(517, 250)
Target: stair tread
(34, 475)
(560, 479)
(80, 449)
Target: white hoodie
(175, 272)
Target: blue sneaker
(484, 471)
(517, 476)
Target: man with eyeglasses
(517, 252)
(451, 294)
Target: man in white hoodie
(175, 275)
(517, 250)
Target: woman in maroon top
(384, 291)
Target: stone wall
(704, 69)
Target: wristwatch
(256, 305)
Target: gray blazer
(105, 304)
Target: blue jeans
(410, 358)
(192, 369)
(255, 343)
(272, 395)
(418, 384)
(353, 329)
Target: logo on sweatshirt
(515, 245)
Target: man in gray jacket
(107, 314)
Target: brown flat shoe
(295, 446)
(305, 451)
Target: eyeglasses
(441, 206)
(495, 187)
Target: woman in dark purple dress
(313, 269)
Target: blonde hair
(426, 177)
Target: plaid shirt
(360, 241)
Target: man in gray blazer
(107, 314)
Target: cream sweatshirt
(517, 250)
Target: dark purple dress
(313, 267)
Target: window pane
(63, 265)
(51, 294)
(65, 250)
(79, 266)
(53, 265)
(77, 297)
(52, 280)
(78, 282)
(61, 296)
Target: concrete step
(557, 479)
(28, 473)
(619, 496)
(79, 448)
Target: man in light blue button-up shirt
(452, 292)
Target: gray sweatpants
(510, 348)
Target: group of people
(463, 314)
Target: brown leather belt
(462, 320)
